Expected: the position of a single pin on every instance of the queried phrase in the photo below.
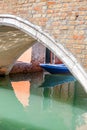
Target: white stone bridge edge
(36, 32)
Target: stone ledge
(23, 67)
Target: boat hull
(55, 68)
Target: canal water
(42, 102)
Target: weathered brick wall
(64, 20)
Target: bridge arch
(36, 33)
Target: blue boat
(55, 68)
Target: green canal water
(39, 102)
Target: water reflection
(47, 103)
(61, 106)
(22, 91)
(59, 87)
(82, 123)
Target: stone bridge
(60, 25)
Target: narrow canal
(42, 102)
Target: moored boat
(55, 68)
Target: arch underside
(34, 33)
